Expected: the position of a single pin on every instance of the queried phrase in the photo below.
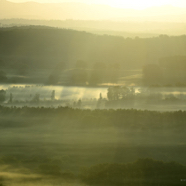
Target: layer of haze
(136, 4)
(79, 10)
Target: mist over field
(92, 93)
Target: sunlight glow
(140, 4)
(135, 3)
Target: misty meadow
(92, 93)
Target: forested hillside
(34, 48)
(39, 43)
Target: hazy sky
(137, 4)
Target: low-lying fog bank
(145, 98)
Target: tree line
(105, 117)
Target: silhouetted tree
(2, 95)
(100, 96)
(99, 101)
(53, 95)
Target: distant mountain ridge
(120, 28)
(81, 11)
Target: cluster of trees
(169, 71)
(118, 92)
(32, 98)
(121, 96)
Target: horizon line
(101, 4)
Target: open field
(36, 142)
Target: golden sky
(136, 4)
